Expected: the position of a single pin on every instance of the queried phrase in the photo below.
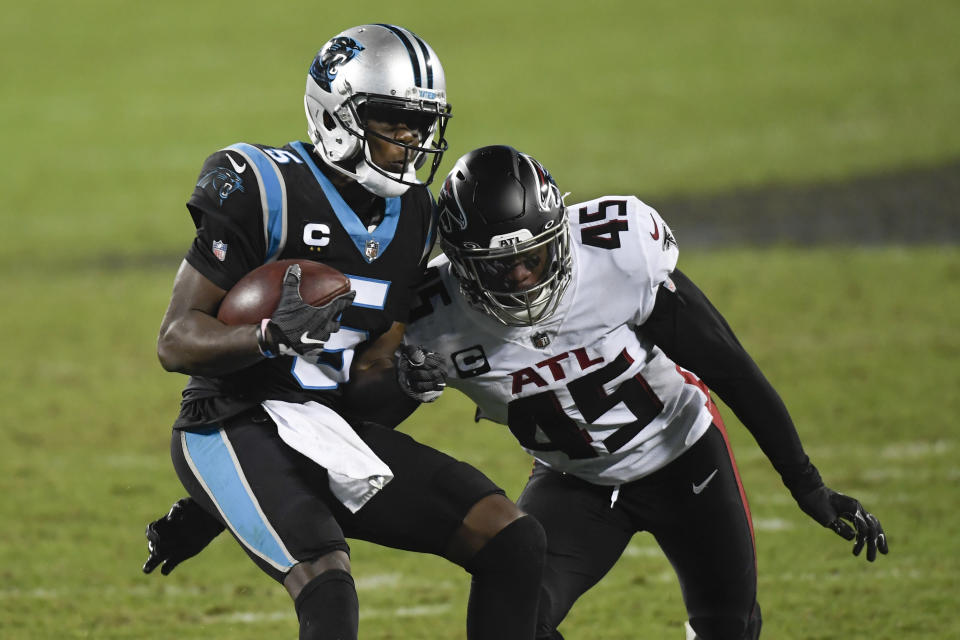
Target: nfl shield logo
(540, 340)
(220, 250)
(372, 250)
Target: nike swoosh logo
(240, 168)
(697, 488)
(307, 340)
(656, 230)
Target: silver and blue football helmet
(376, 68)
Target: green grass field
(109, 108)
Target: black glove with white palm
(839, 512)
(421, 373)
(297, 328)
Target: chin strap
(368, 177)
(379, 184)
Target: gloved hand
(181, 534)
(833, 510)
(297, 328)
(420, 373)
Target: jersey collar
(371, 245)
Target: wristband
(263, 342)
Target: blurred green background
(109, 108)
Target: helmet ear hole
(328, 121)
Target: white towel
(355, 472)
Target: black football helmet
(500, 209)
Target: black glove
(832, 510)
(297, 328)
(420, 373)
(181, 534)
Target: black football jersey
(255, 204)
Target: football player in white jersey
(574, 327)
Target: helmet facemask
(427, 118)
(483, 276)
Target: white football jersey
(583, 392)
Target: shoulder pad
(639, 241)
(222, 176)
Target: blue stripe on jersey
(434, 220)
(384, 232)
(273, 193)
(212, 459)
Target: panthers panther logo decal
(222, 182)
(327, 63)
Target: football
(257, 294)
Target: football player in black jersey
(580, 334)
(277, 439)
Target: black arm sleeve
(696, 336)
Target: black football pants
(694, 507)
(277, 503)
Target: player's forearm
(374, 394)
(192, 340)
(751, 397)
(693, 333)
(199, 344)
